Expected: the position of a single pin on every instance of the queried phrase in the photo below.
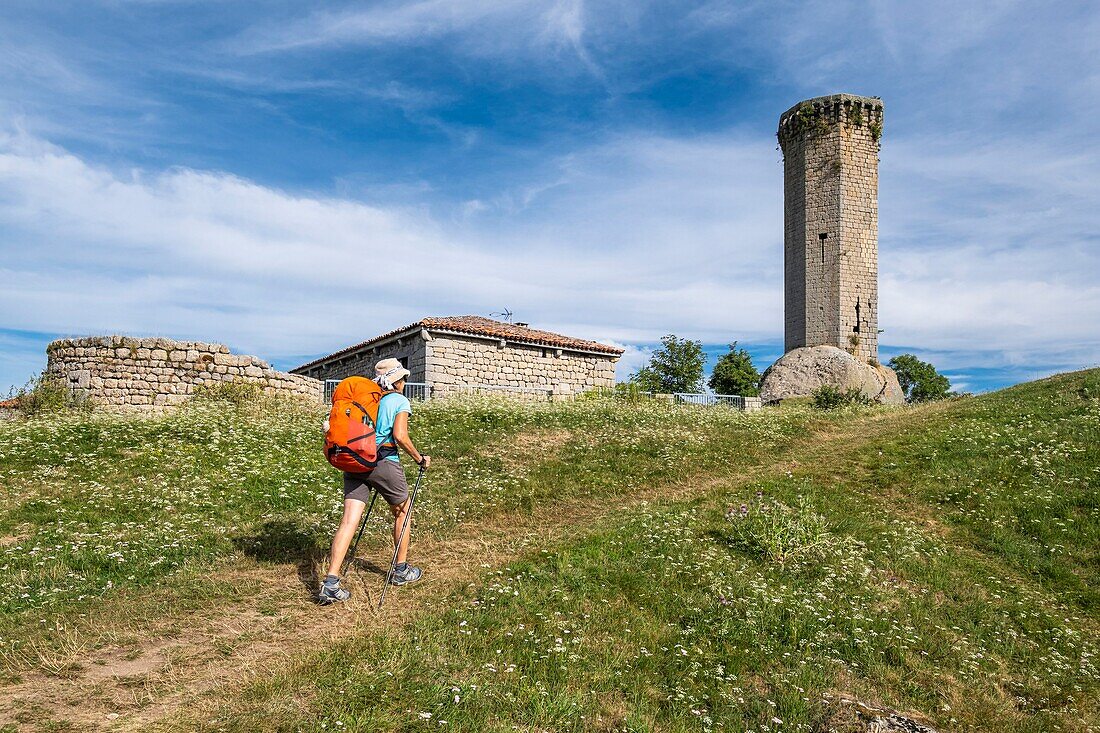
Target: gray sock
(402, 567)
(332, 580)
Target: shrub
(675, 367)
(735, 374)
(1090, 388)
(918, 379)
(782, 534)
(47, 393)
(237, 393)
(828, 397)
(595, 394)
(630, 392)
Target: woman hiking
(387, 478)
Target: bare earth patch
(534, 444)
(14, 539)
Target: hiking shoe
(408, 575)
(331, 594)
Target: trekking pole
(355, 545)
(401, 537)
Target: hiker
(387, 478)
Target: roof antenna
(505, 314)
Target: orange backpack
(350, 443)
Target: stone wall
(830, 220)
(455, 361)
(151, 372)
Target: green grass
(91, 504)
(942, 561)
(959, 584)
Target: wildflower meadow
(940, 561)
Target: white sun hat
(388, 372)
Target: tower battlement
(830, 222)
(820, 112)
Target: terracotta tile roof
(11, 404)
(480, 326)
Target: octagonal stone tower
(830, 220)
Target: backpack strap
(388, 449)
(364, 410)
(361, 408)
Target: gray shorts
(388, 479)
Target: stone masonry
(147, 373)
(409, 349)
(830, 184)
(459, 353)
(456, 361)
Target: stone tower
(830, 223)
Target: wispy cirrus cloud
(492, 26)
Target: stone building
(830, 250)
(830, 223)
(458, 353)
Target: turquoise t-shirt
(388, 409)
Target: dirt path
(186, 664)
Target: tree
(735, 374)
(675, 367)
(919, 380)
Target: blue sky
(289, 178)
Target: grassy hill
(590, 566)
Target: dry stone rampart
(148, 373)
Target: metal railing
(419, 391)
(699, 398)
(330, 387)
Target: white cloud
(480, 26)
(213, 256)
(633, 359)
(988, 256)
(990, 245)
